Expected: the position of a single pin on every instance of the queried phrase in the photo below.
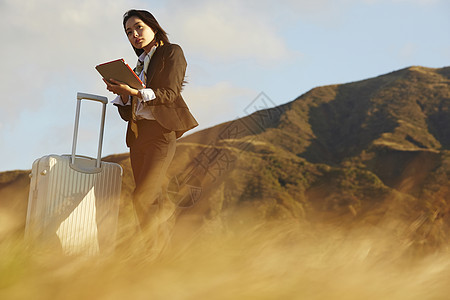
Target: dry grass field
(270, 260)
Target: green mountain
(373, 152)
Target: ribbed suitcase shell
(80, 209)
(73, 202)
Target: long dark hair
(149, 19)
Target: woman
(157, 114)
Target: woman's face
(139, 34)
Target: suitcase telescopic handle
(104, 101)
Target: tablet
(119, 70)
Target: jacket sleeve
(124, 112)
(170, 79)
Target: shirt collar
(141, 57)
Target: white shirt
(142, 111)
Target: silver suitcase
(73, 202)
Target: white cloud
(217, 103)
(420, 2)
(48, 44)
(407, 51)
(228, 31)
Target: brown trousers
(150, 154)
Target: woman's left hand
(120, 88)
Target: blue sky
(235, 50)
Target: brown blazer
(165, 76)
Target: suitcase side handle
(104, 101)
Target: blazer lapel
(154, 64)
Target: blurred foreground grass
(270, 260)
